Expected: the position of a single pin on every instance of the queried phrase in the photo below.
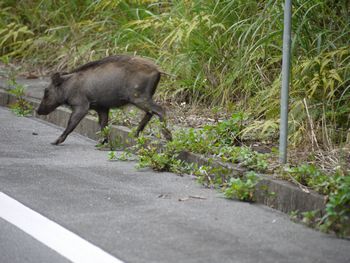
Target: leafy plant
(106, 140)
(124, 117)
(337, 187)
(21, 107)
(310, 218)
(104, 135)
(162, 160)
(123, 156)
(337, 217)
(242, 188)
(311, 176)
(294, 215)
(211, 176)
(220, 141)
(112, 155)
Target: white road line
(66, 243)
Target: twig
(302, 187)
(313, 135)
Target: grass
(225, 53)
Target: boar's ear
(57, 79)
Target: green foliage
(14, 39)
(159, 159)
(21, 107)
(112, 144)
(293, 215)
(219, 141)
(337, 187)
(337, 217)
(123, 156)
(122, 116)
(112, 155)
(104, 134)
(224, 52)
(248, 158)
(311, 176)
(242, 188)
(310, 218)
(319, 97)
(211, 176)
(211, 138)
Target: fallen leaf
(197, 197)
(164, 196)
(191, 197)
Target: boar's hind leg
(77, 114)
(152, 108)
(103, 121)
(143, 123)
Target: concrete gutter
(278, 194)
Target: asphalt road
(135, 215)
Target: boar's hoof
(167, 134)
(102, 143)
(58, 141)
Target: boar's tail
(168, 74)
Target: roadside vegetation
(221, 147)
(227, 57)
(21, 107)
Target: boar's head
(53, 94)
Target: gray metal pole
(285, 81)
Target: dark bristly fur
(117, 58)
(97, 63)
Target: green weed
(106, 140)
(310, 218)
(161, 160)
(337, 217)
(21, 107)
(311, 176)
(242, 188)
(337, 187)
(123, 156)
(211, 176)
(219, 141)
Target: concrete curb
(286, 196)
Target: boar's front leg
(78, 113)
(103, 121)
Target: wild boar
(100, 85)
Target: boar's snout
(44, 109)
(40, 111)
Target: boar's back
(132, 62)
